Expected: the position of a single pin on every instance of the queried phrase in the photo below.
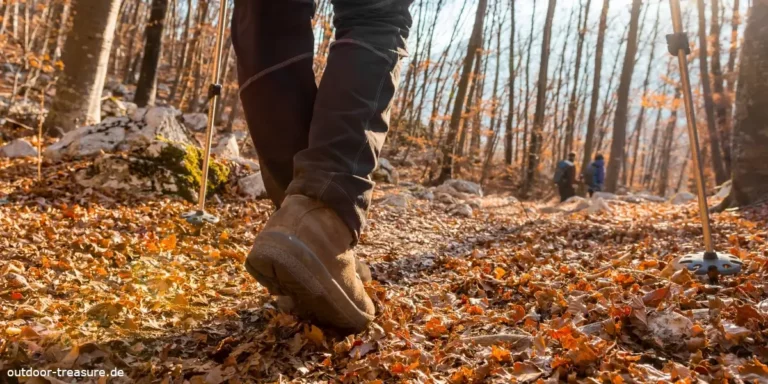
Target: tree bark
(641, 116)
(572, 105)
(709, 106)
(667, 141)
(512, 75)
(474, 44)
(722, 101)
(146, 90)
(541, 98)
(620, 121)
(592, 118)
(86, 60)
(750, 136)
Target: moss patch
(181, 166)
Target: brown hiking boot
(304, 252)
(286, 304)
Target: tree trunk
(750, 136)
(130, 59)
(181, 68)
(86, 60)
(722, 102)
(667, 142)
(527, 101)
(572, 105)
(512, 75)
(461, 94)
(709, 106)
(592, 118)
(620, 121)
(146, 90)
(541, 98)
(641, 116)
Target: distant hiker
(565, 177)
(318, 144)
(594, 175)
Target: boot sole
(285, 266)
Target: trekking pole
(707, 262)
(200, 217)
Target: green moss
(184, 163)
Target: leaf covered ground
(90, 281)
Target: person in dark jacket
(565, 177)
(594, 175)
(318, 144)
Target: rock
(464, 186)
(445, 198)
(196, 121)
(630, 198)
(426, 195)
(573, 199)
(18, 148)
(26, 112)
(227, 147)
(396, 200)
(122, 134)
(670, 328)
(116, 88)
(598, 205)
(462, 210)
(252, 186)
(251, 165)
(606, 195)
(681, 198)
(113, 107)
(475, 203)
(551, 210)
(724, 190)
(648, 197)
(385, 172)
(161, 167)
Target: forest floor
(510, 295)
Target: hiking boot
(304, 252)
(286, 304)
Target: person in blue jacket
(594, 175)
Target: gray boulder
(385, 172)
(252, 186)
(197, 122)
(227, 147)
(461, 210)
(18, 148)
(397, 200)
(681, 198)
(463, 186)
(122, 134)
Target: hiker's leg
(351, 114)
(274, 45)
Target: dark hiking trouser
(566, 191)
(322, 142)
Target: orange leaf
(499, 273)
(435, 327)
(224, 236)
(397, 369)
(500, 354)
(314, 334)
(17, 296)
(169, 243)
